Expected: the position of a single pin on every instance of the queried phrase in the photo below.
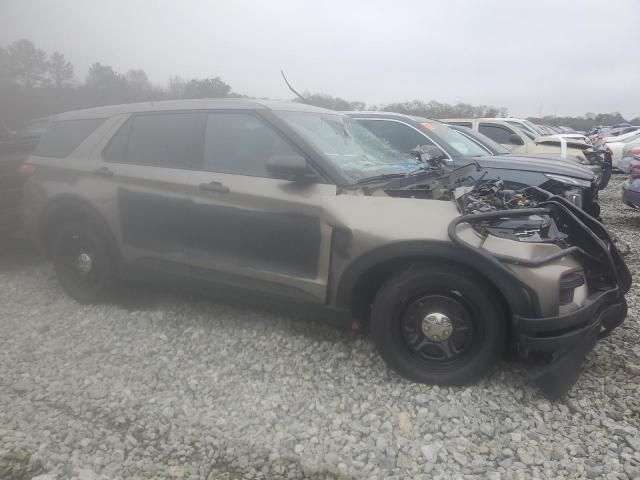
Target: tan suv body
(292, 201)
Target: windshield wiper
(423, 168)
(379, 178)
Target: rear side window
(63, 136)
(172, 140)
(398, 135)
(496, 133)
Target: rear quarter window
(62, 137)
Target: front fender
(521, 299)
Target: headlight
(569, 180)
(574, 195)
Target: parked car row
(621, 148)
(631, 188)
(599, 135)
(447, 246)
(459, 146)
(518, 138)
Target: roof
(192, 104)
(467, 119)
(379, 113)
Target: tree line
(35, 84)
(585, 122)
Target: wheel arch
(69, 207)
(366, 274)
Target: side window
(171, 140)
(398, 135)
(240, 143)
(496, 133)
(62, 137)
(164, 140)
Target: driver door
(250, 229)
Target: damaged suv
(291, 201)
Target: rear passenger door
(145, 176)
(248, 228)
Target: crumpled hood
(535, 164)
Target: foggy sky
(568, 56)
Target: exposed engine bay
(491, 196)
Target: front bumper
(601, 165)
(566, 340)
(631, 193)
(590, 202)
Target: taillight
(634, 170)
(26, 170)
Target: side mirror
(289, 167)
(514, 139)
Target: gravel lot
(171, 386)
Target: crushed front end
(568, 263)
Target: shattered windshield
(353, 149)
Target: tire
(83, 263)
(607, 167)
(415, 310)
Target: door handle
(103, 171)
(214, 187)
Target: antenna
(304, 100)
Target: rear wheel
(438, 324)
(83, 263)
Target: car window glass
(462, 124)
(485, 141)
(164, 140)
(398, 135)
(116, 149)
(241, 143)
(496, 133)
(62, 137)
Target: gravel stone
(162, 385)
(633, 369)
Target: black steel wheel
(83, 264)
(439, 329)
(439, 324)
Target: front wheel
(83, 263)
(440, 324)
